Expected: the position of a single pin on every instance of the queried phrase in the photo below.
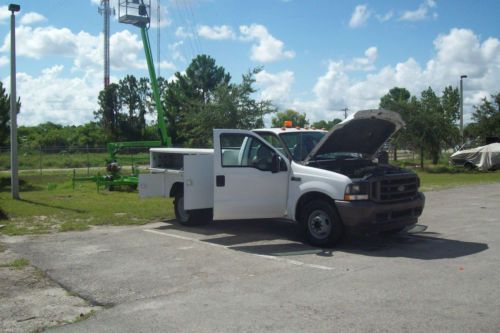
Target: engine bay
(357, 167)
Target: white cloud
(459, 52)
(176, 49)
(38, 42)
(125, 49)
(86, 50)
(365, 63)
(360, 15)
(267, 48)
(421, 13)
(275, 87)
(164, 16)
(386, 17)
(3, 61)
(216, 32)
(182, 33)
(52, 97)
(167, 65)
(4, 14)
(32, 17)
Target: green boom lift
(135, 12)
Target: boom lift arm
(135, 12)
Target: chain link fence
(42, 159)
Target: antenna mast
(105, 11)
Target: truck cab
(327, 182)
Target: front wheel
(190, 217)
(322, 224)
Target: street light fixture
(462, 107)
(14, 180)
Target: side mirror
(276, 163)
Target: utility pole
(462, 108)
(14, 180)
(345, 112)
(105, 11)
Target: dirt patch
(30, 301)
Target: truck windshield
(300, 144)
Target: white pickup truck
(328, 182)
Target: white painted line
(289, 261)
(185, 238)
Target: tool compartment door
(198, 181)
(152, 185)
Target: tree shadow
(3, 215)
(23, 185)
(240, 236)
(81, 211)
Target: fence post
(88, 161)
(40, 160)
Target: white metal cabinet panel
(198, 181)
(152, 185)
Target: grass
(443, 175)
(17, 263)
(45, 209)
(85, 316)
(434, 181)
(49, 203)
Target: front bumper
(365, 216)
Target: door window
(240, 150)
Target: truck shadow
(283, 238)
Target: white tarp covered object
(484, 157)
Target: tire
(190, 217)
(469, 166)
(321, 223)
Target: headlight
(357, 191)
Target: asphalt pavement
(252, 276)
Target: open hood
(363, 132)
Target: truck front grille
(395, 188)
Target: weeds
(17, 263)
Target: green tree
(204, 98)
(144, 105)
(108, 113)
(398, 100)
(430, 121)
(486, 117)
(326, 124)
(298, 119)
(5, 115)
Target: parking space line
(289, 261)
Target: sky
(317, 56)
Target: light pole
(14, 180)
(462, 107)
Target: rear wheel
(469, 166)
(322, 224)
(190, 217)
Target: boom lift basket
(135, 12)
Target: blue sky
(317, 56)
